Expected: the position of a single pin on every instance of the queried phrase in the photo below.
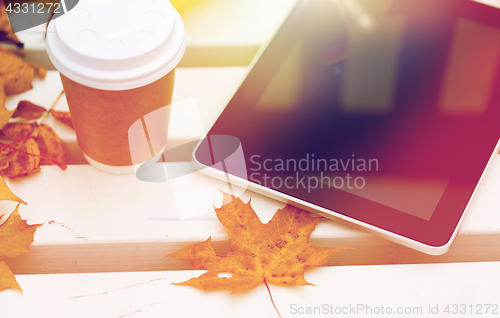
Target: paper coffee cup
(117, 61)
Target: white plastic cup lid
(117, 44)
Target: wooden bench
(100, 252)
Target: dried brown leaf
(5, 156)
(5, 114)
(64, 117)
(28, 110)
(16, 73)
(6, 33)
(2, 93)
(15, 131)
(21, 164)
(50, 146)
(40, 71)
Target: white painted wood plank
(100, 222)
(414, 288)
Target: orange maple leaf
(15, 237)
(278, 252)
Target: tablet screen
(384, 111)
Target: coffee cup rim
(121, 71)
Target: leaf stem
(271, 296)
(53, 104)
(14, 142)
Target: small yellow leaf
(6, 194)
(15, 238)
(7, 279)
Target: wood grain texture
(133, 257)
(118, 223)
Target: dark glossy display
(384, 111)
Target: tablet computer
(382, 113)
